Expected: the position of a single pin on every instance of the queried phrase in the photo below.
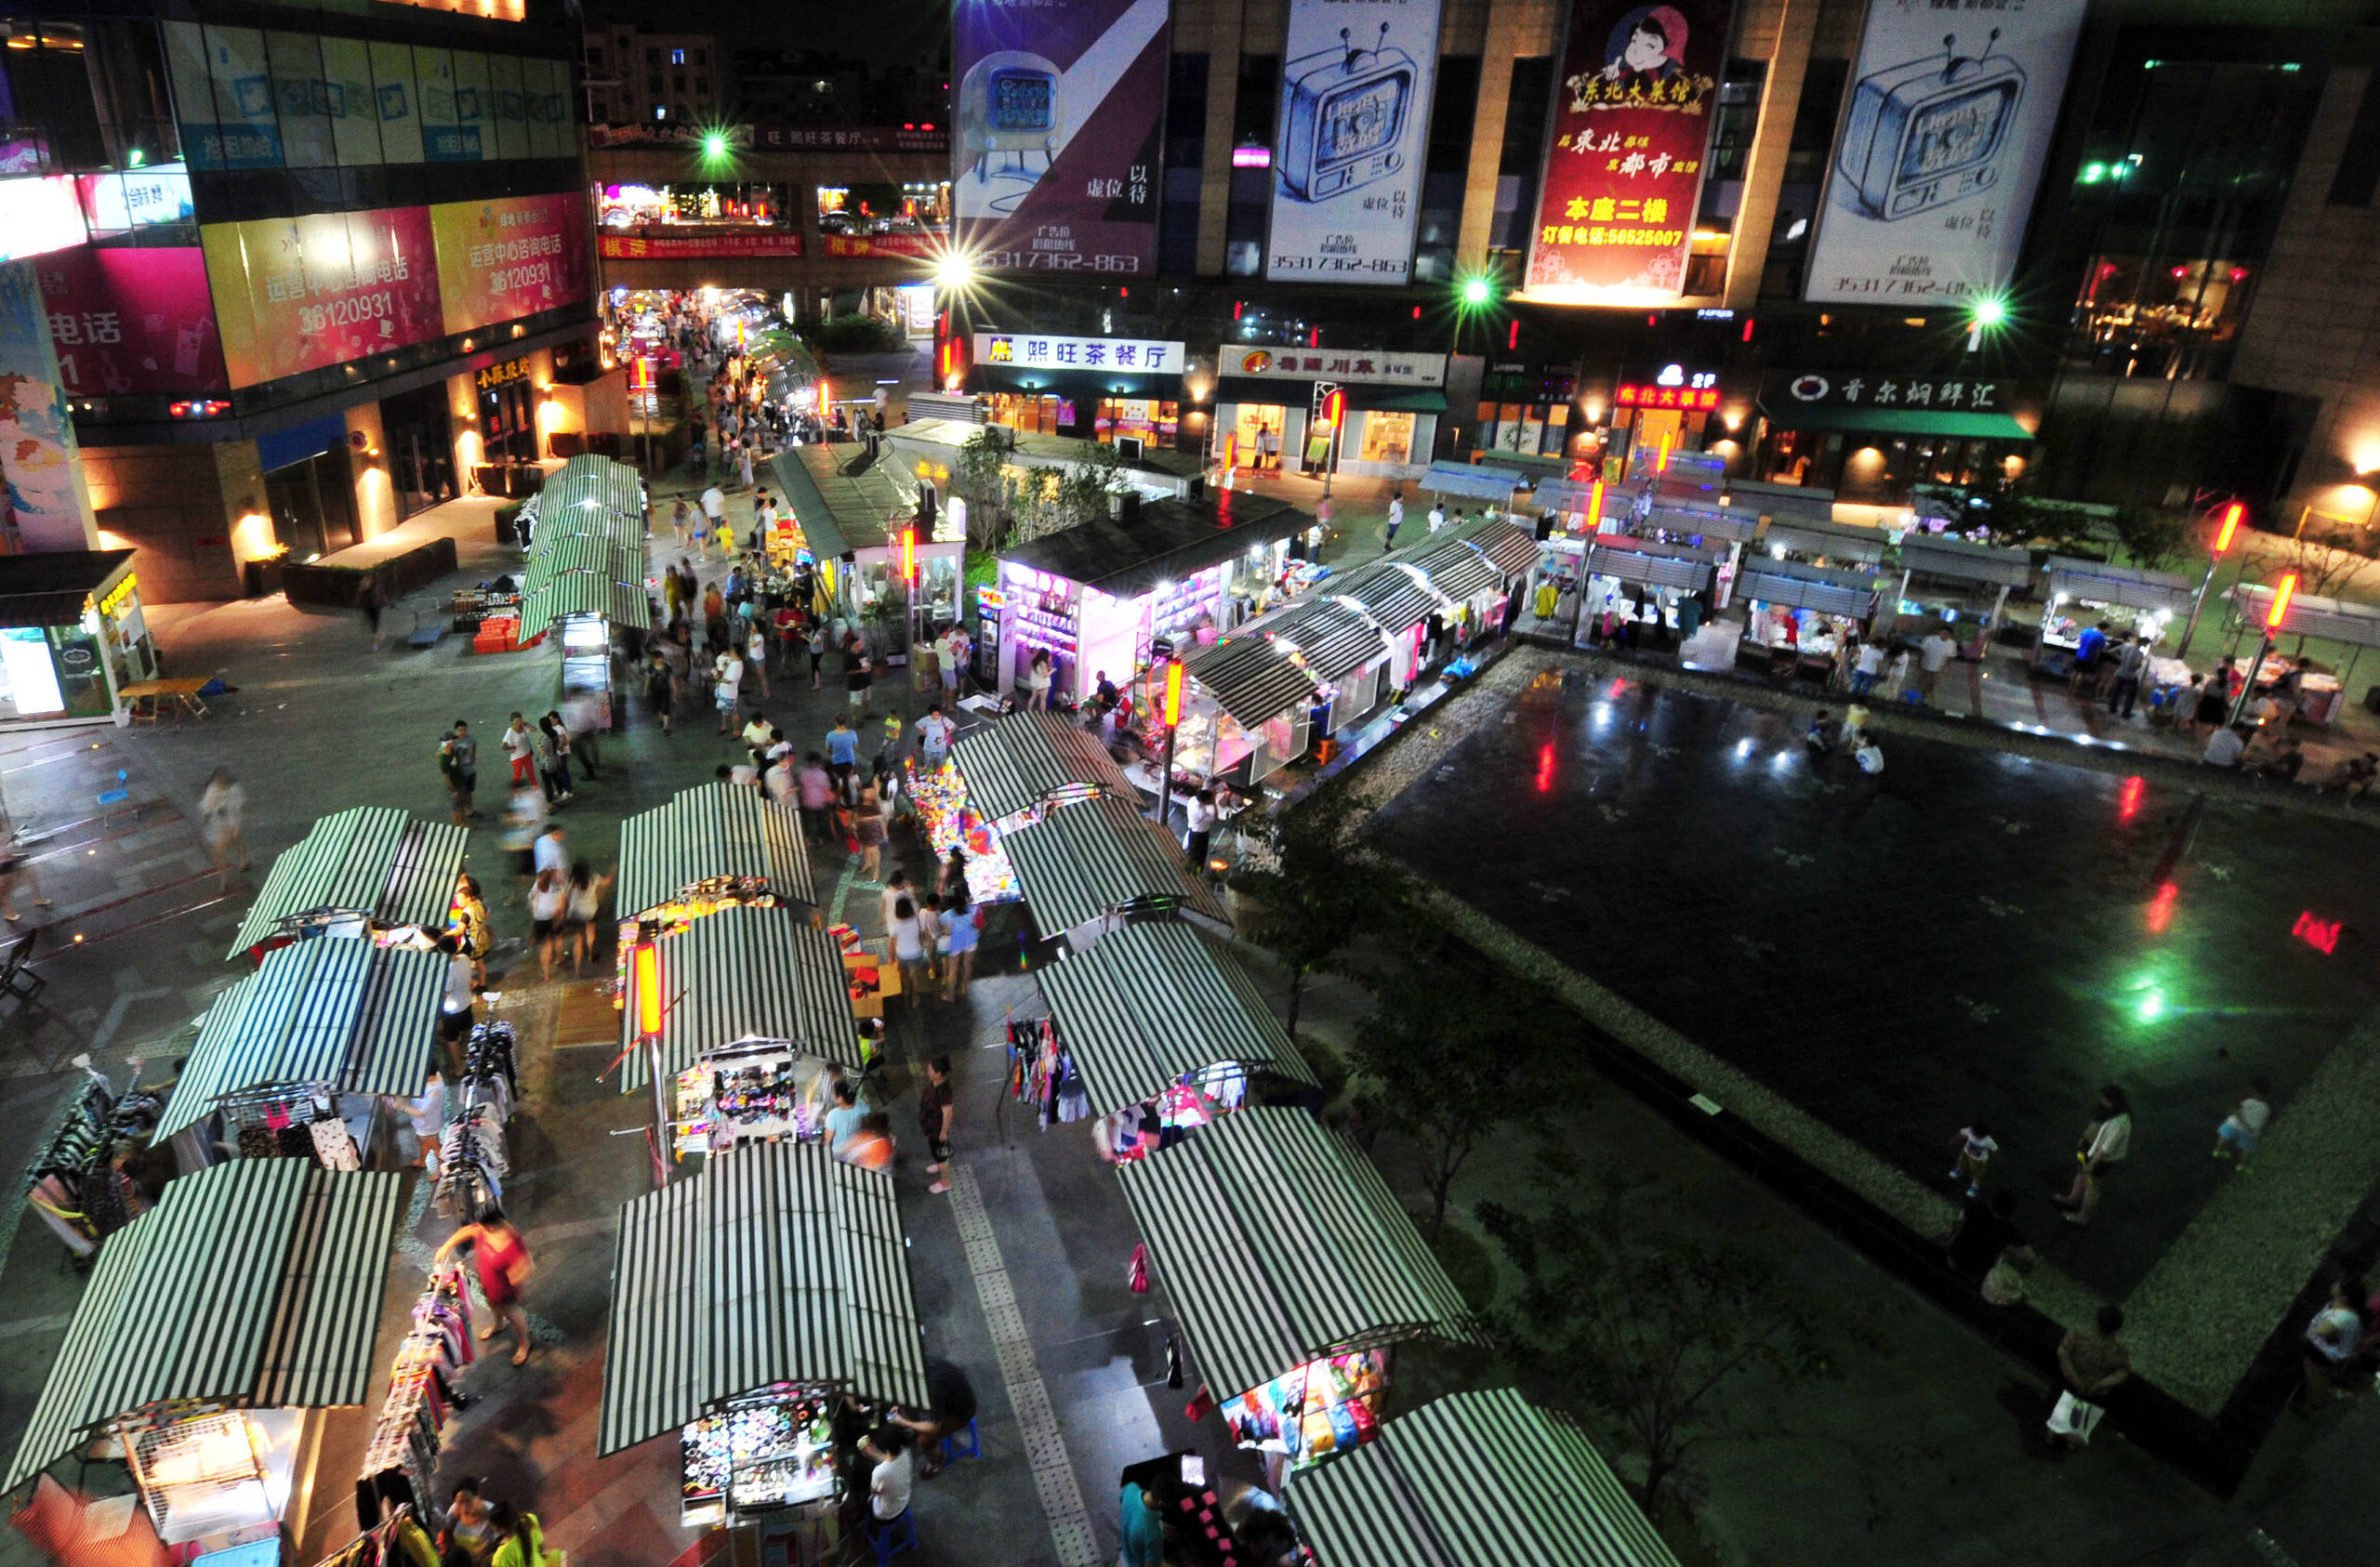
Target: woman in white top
(548, 900)
(909, 946)
(1037, 680)
(2106, 1143)
(585, 901)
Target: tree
(2154, 537)
(1447, 1058)
(1312, 896)
(1626, 1315)
(982, 481)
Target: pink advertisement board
(132, 320)
(322, 290)
(503, 259)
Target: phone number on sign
(1041, 261)
(504, 280)
(347, 312)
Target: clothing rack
(400, 1540)
(1041, 1072)
(402, 1455)
(292, 1121)
(472, 1158)
(72, 1182)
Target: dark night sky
(880, 32)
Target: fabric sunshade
(1394, 593)
(1781, 503)
(359, 1017)
(711, 830)
(2105, 583)
(1473, 1479)
(1252, 677)
(1278, 1244)
(1457, 569)
(1332, 636)
(1094, 858)
(256, 1283)
(591, 553)
(1648, 567)
(1964, 560)
(1029, 758)
(778, 1263)
(1510, 547)
(1153, 1001)
(1790, 585)
(1836, 541)
(745, 973)
(1708, 521)
(1467, 481)
(2356, 625)
(584, 593)
(378, 864)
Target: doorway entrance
(313, 505)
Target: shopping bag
(1201, 1405)
(2074, 1418)
(1137, 1271)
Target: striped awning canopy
(2098, 582)
(747, 973)
(1473, 1479)
(1033, 758)
(1099, 857)
(1278, 1244)
(1648, 562)
(1394, 593)
(256, 1284)
(1252, 677)
(778, 1263)
(1792, 585)
(1153, 1001)
(2306, 615)
(1509, 546)
(711, 830)
(378, 864)
(1333, 637)
(611, 487)
(1836, 541)
(349, 1015)
(601, 557)
(1457, 569)
(1939, 555)
(584, 593)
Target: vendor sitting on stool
(953, 1399)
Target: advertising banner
(500, 260)
(1943, 138)
(1059, 107)
(668, 247)
(919, 246)
(133, 321)
(1360, 366)
(1623, 173)
(48, 506)
(295, 294)
(1352, 138)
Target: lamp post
(648, 1026)
(1171, 711)
(2273, 618)
(2232, 515)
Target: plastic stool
(889, 1540)
(952, 1452)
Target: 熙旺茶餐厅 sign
(1375, 367)
(1132, 356)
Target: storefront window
(312, 504)
(508, 423)
(1388, 438)
(730, 204)
(1044, 414)
(1157, 423)
(2173, 321)
(1258, 435)
(52, 672)
(912, 207)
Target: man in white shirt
(955, 650)
(520, 749)
(1199, 811)
(1396, 517)
(1871, 755)
(1934, 655)
(1437, 516)
(935, 732)
(889, 1481)
(546, 853)
(714, 507)
(1869, 665)
(2225, 747)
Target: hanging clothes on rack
(402, 1458)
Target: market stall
(1247, 699)
(1005, 775)
(1478, 586)
(72, 637)
(74, 1182)
(295, 1057)
(1944, 558)
(2125, 600)
(1292, 1270)
(212, 1327)
(588, 496)
(745, 1301)
(756, 1019)
(853, 512)
(1781, 503)
(1083, 868)
(367, 872)
(713, 847)
(1473, 1479)
(2323, 693)
(1474, 481)
(1641, 579)
(1401, 601)
(1155, 1014)
(1825, 544)
(1096, 596)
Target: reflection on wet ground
(1968, 934)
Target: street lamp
(1986, 314)
(2273, 618)
(1473, 295)
(2232, 515)
(1169, 709)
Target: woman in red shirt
(501, 1260)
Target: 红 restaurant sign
(1369, 366)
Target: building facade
(635, 76)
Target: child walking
(2244, 1127)
(1976, 1146)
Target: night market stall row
(1292, 1270)
(712, 846)
(1084, 868)
(866, 527)
(369, 872)
(746, 1301)
(212, 1329)
(296, 1058)
(1004, 775)
(744, 1018)
(1152, 1018)
(587, 573)
(2323, 693)
(1473, 1479)
(2088, 594)
(588, 496)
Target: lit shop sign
(1675, 387)
(39, 215)
(1897, 391)
(119, 595)
(138, 199)
(1136, 355)
(497, 375)
(1338, 365)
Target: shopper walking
(219, 809)
(520, 1539)
(520, 749)
(727, 672)
(458, 1003)
(816, 789)
(859, 675)
(842, 748)
(934, 734)
(500, 1258)
(908, 943)
(937, 1112)
(458, 763)
(2126, 692)
(1396, 517)
(583, 906)
(2106, 1143)
(2244, 1129)
(660, 688)
(553, 759)
(548, 903)
(959, 931)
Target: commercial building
(635, 76)
(1844, 244)
(322, 270)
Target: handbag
(2075, 1418)
(1136, 1272)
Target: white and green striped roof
(1153, 1001)
(591, 485)
(1278, 1244)
(1029, 758)
(1473, 1479)
(256, 1283)
(778, 1263)
(355, 1017)
(373, 861)
(1098, 857)
(747, 973)
(711, 830)
(585, 593)
(592, 553)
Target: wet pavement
(1970, 934)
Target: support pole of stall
(2263, 649)
(646, 974)
(1172, 714)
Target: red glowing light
(1173, 692)
(2161, 908)
(1545, 768)
(2128, 798)
(2322, 935)
(1513, 338)
(1748, 329)
(2281, 602)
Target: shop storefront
(275, 1268)
(1084, 869)
(417, 432)
(748, 1303)
(309, 487)
(371, 873)
(72, 637)
(1871, 436)
(1272, 408)
(1091, 389)
(507, 413)
(301, 1053)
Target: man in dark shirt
(953, 1399)
(935, 1114)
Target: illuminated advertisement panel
(295, 294)
(129, 322)
(503, 259)
(1353, 136)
